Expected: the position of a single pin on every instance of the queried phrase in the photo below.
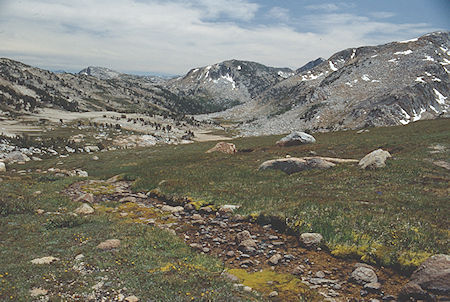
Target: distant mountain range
(391, 84)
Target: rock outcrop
(293, 165)
(432, 277)
(223, 147)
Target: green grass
(391, 214)
(151, 263)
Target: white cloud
(233, 9)
(279, 13)
(382, 15)
(175, 36)
(327, 7)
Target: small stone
(171, 209)
(195, 246)
(37, 291)
(40, 211)
(128, 199)
(197, 217)
(44, 260)
(244, 235)
(95, 157)
(230, 254)
(189, 207)
(247, 289)
(132, 299)
(109, 244)
(205, 250)
(273, 294)
(206, 210)
(84, 209)
(275, 259)
(320, 274)
(298, 271)
(247, 263)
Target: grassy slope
(395, 215)
(151, 263)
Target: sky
(170, 37)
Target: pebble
(273, 294)
(247, 289)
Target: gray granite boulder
(296, 138)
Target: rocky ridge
(392, 84)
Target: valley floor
(393, 217)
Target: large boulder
(293, 165)
(375, 159)
(433, 276)
(16, 156)
(223, 147)
(296, 138)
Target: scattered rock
(275, 259)
(228, 209)
(320, 274)
(196, 246)
(311, 239)
(244, 235)
(296, 138)
(375, 159)
(373, 286)
(206, 210)
(293, 164)
(223, 147)
(95, 157)
(44, 260)
(299, 270)
(247, 289)
(84, 209)
(247, 263)
(248, 245)
(2, 167)
(363, 275)
(37, 291)
(109, 244)
(132, 299)
(230, 254)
